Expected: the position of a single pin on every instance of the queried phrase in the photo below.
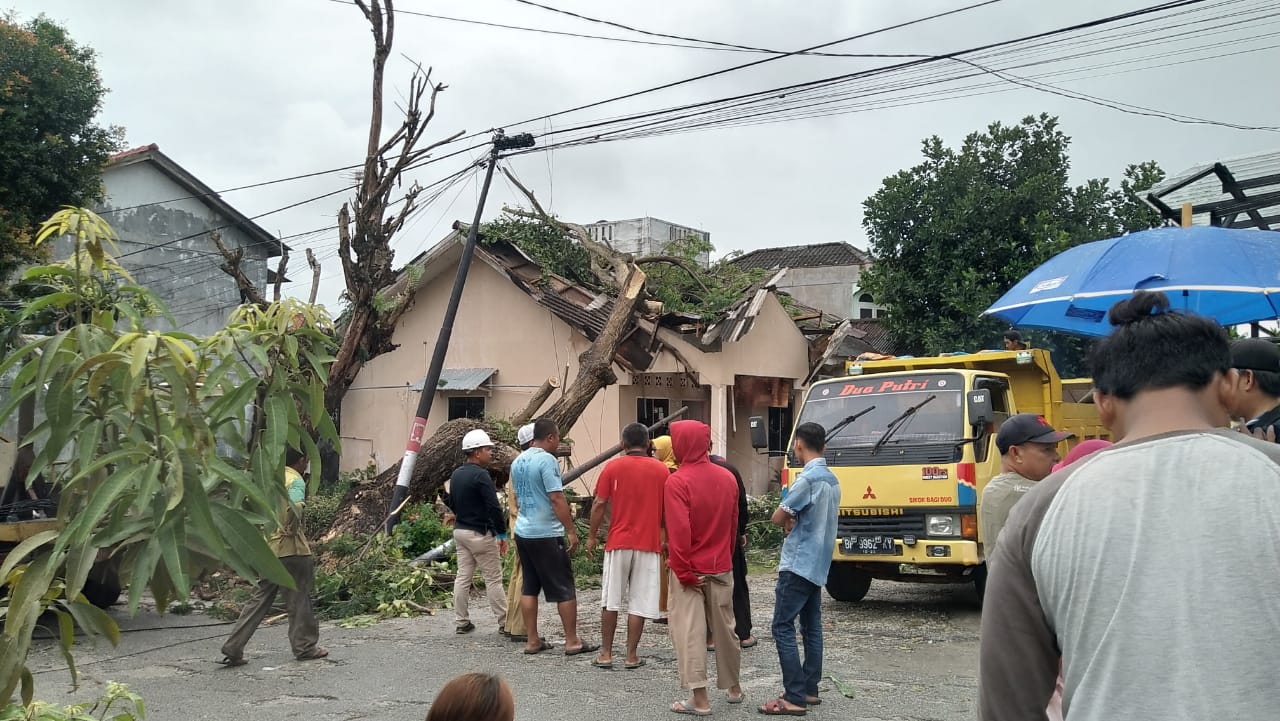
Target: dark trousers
(741, 595)
(798, 599)
(304, 631)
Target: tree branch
(232, 268)
(680, 263)
(619, 263)
(315, 276)
(280, 269)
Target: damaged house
(519, 326)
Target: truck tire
(102, 588)
(980, 582)
(846, 583)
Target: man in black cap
(1028, 448)
(1256, 394)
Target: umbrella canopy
(1232, 276)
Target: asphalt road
(906, 652)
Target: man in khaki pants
(700, 506)
(480, 531)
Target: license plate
(869, 545)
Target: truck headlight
(943, 525)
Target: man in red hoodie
(700, 504)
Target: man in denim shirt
(808, 516)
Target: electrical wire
(791, 92)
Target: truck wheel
(980, 582)
(845, 583)
(102, 588)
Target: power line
(796, 90)
(755, 63)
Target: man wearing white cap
(480, 531)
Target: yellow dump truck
(912, 441)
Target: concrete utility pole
(432, 381)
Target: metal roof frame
(1261, 210)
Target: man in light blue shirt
(541, 523)
(808, 516)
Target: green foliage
(324, 506)
(420, 530)
(705, 292)
(118, 704)
(764, 540)
(547, 246)
(689, 288)
(373, 577)
(952, 234)
(134, 424)
(51, 151)
(586, 570)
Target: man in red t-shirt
(630, 488)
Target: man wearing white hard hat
(480, 531)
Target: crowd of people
(674, 552)
(1117, 584)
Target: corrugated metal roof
(1258, 174)
(461, 379)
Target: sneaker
(467, 627)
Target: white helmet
(475, 439)
(525, 435)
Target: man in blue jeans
(808, 517)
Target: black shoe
(467, 627)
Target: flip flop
(636, 665)
(606, 665)
(774, 707)
(584, 648)
(812, 701)
(314, 655)
(230, 662)
(683, 707)
(736, 699)
(542, 646)
(750, 643)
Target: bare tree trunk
(280, 270)
(539, 397)
(595, 365)
(315, 276)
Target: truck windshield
(938, 421)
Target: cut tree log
(539, 397)
(364, 510)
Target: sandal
(636, 665)
(543, 645)
(683, 707)
(606, 665)
(315, 654)
(736, 699)
(584, 648)
(231, 662)
(775, 707)
(749, 642)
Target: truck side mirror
(980, 412)
(759, 433)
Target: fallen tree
(366, 506)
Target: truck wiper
(840, 426)
(897, 423)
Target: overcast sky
(239, 91)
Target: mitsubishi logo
(869, 494)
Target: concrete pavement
(907, 652)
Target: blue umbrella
(1232, 276)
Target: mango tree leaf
(249, 544)
(24, 549)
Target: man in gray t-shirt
(1028, 448)
(1150, 570)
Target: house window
(651, 410)
(779, 430)
(866, 307)
(466, 407)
